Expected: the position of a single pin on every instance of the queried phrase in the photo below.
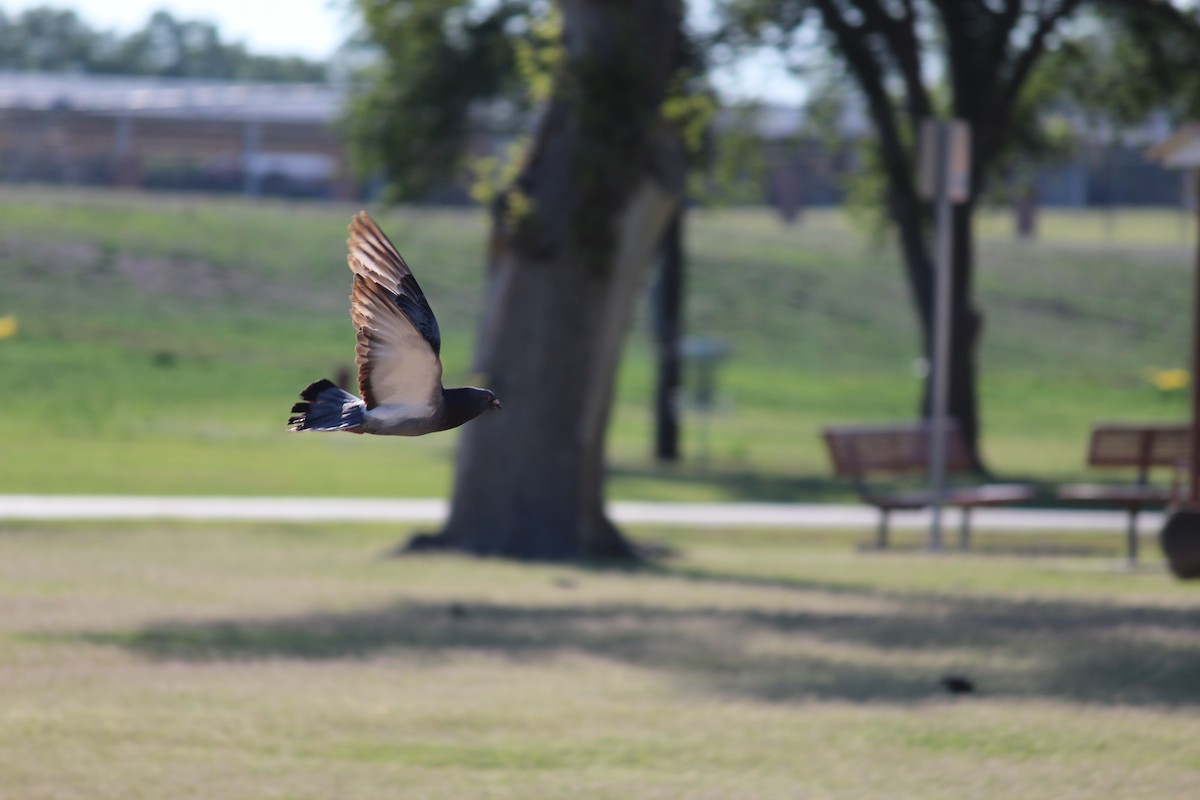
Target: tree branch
(870, 74)
(1162, 10)
(1023, 65)
(900, 34)
(1024, 62)
(902, 198)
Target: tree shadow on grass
(894, 651)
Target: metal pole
(943, 254)
(1194, 446)
(251, 144)
(945, 179)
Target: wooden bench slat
(865, 453)
(1140, 447)
(856, 451)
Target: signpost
(944, 178)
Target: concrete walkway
(725, 515)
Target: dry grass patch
(298, 662)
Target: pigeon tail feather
(326, 407)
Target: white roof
(1181, 150)
(179, 98)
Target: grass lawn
(270, 661)
(163, 338)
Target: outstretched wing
(398, 338)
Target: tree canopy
(57, 40)
(434, 61)
(911, 60)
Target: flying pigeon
(399, 369)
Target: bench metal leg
(964, 531)
(881, 536)
(1131, 537)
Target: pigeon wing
(398, 338)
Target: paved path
(776, 515)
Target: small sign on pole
(945, 150)
(944, 177)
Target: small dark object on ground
(164, 359)
(957, 684)
(458, 610)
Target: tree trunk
(571, 248)
(668, 325)
(966, 322)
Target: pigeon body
(397, 353)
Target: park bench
(1141, 448)
(889, 467)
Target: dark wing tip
(315, 388)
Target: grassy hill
(162, 340)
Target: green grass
(163, 338)
(272, 661)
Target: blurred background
(176, 179)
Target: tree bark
(571, 246)
(668, 327)
(966, 325)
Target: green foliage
(436, 58)
(1114, 59)
(55, 40)
(539, 56)
(538, 59)
(161, 341)
(1126, 63)
(494, 174)
(865, 186)
(691, 114)
(734, 167)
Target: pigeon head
(485, 399)
(467, 403)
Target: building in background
(277, 138)
(282, 139)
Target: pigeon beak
(496, 405)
